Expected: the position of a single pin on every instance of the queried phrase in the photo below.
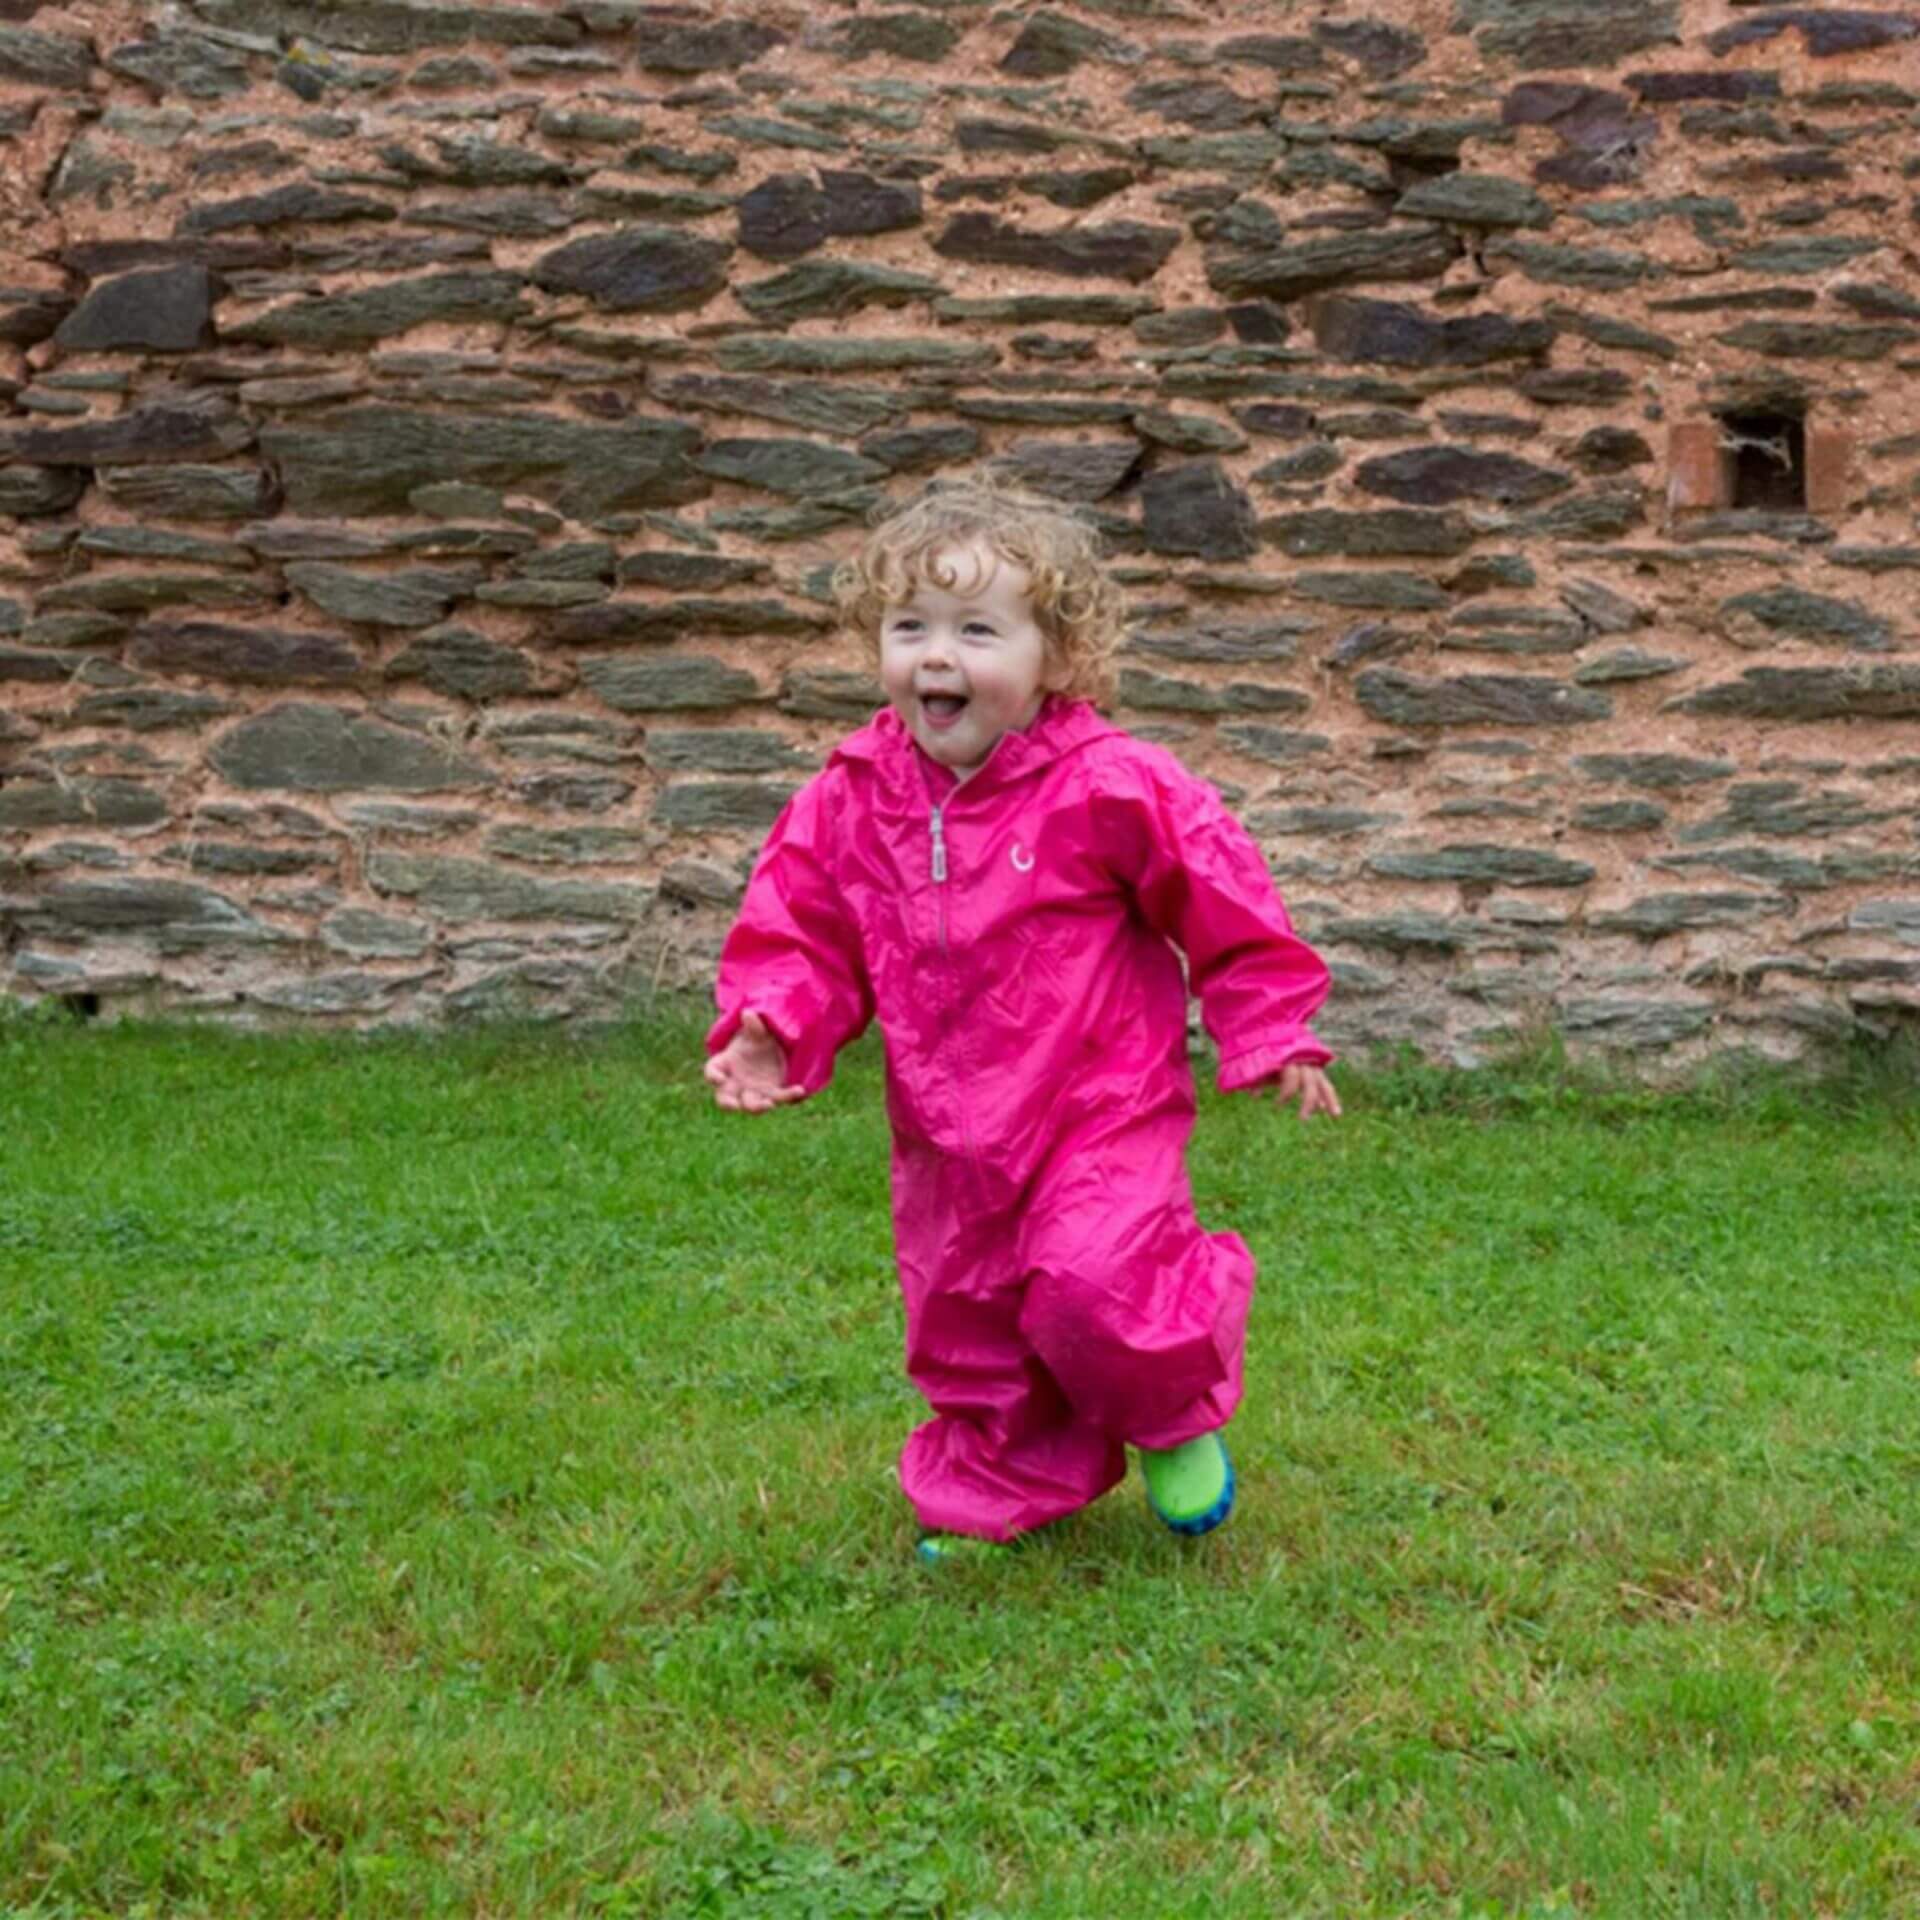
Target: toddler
(1002, 877)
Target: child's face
(963, 663)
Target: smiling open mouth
(941, 707)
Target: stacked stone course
(429, 427)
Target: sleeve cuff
(1255, 1064)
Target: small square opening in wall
(1766, 460)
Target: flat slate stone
(1808, 616)
(247, 655)
(135, 906)
(666, 43)
(914, 449)
(794, 467)
(690, 572)
(1393, 333)
(1476, 699)
(1475, 200)
(1287, 272)
(318, 749)
(724, 750)
(1195, 509)
(29, 491)
(1481, 865)
(1620, 816)
(464, 665)
(1658, 772)
(638, 269)
(721, 806)
(1827, 30)
(1646, 1026)
(149, 710)
(1120, 250)
(789, 214)
(898, 36)
(676, 684)
(1441, 476)
(117, 592)
(367, 460)
(169, 310)
(1812, 693)
(1275, 746)
(1659, 914)
(45, 59)
(1792, 340)
(1325, 531)
(832, 287)
(1084, 471)
(208, 428)
(1627, 663)
(1569, 33)
(826, 406)
(27, 806)
(1390, 590)
(29, 314)
(830, 693)
(659, 621)
(414, 597)
(458, 888)
(301, 202)
(1597, 269)
(352, 319)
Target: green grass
(457, 1477)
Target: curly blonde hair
(1077, 605)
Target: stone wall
(428, 427)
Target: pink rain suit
(1015, 934)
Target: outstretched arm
(793, 986)
(1200, 880)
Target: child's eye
(978, 627)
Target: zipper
(939, 850)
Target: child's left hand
(1311, 1087)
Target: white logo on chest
(1021, 858)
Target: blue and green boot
(1190, 1487)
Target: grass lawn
(456, 1477)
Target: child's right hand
(749, 1074)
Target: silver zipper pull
(939, 848)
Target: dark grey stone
(679, 683)
(789, 214)
(351, 319)
(830, 693)
(1441, 476)
(29, 491)
(637, 269)
(800, 468)
(246, 655)
(832, 287)
(135, 906)
(1288, 272)
(1390, 590)
(1658, 772)
(690, 572)
(1809, 616)
(511, 215)
(302, 202)
(1573, 386)
(1050, 44)
(777, 353)
(714, 806)
(317, 749)
(1790, 340)
(822, 405)
(1276, 746)
(1475, 200)
(663, 620)
(368, 460)
(1310, 464)
(1828, 30)
(1262, 642)
(169, 310)
(140, 592)
(363, 935)
(1643, 1025)
(568, 846)
(740, 750)
(914, 449)
(414, 597)
(184, 63)
(1120, 250)
(1786, 810)
(87, 628)
(200, 428)
(1382, 50)
(1394, 530)
(1659, 914)
(148, 710)
(463, 664)
(1396, 334)
(670, 42)
(1482, 865)
(1427, 933)
(29, 805)
(1473, 699)
(898, 36)
(1195, 509)
(395, 26)
(1812, 693)
(1593, 268)
(1569, 33)
(1627, 663)
(1620, 816)
(29, 314)
(1084, 471)
(1794, 872)
(45, 59)
(456, 888)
